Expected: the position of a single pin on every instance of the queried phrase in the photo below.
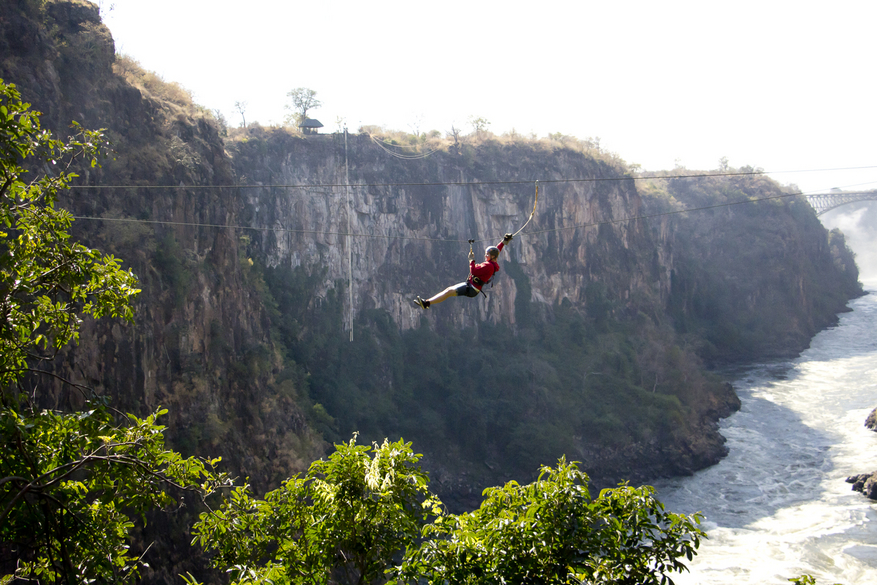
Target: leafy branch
(70, 482)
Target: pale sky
(781, 85)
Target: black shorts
(464, 289)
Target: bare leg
(444, 295)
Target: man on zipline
(479, 275)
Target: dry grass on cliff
(152, 84)
(407, 143)
(433, 140)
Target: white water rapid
(778, 506)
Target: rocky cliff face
(748, 280)
(198, 218)
(587, 342)
(410, 222)
(201, 344)
(753, 272)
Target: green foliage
(551, 531)
(479, 124)
(484, 141)
(805, 580)
(70, 483)
(46, 281)
(348, 516)
(352, 515)
(73, 482)
(33, 7)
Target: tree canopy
(551, 531)
(303, 100)
(345, 518)
(353, 515)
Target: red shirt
(483, 271)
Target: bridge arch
(825, 202)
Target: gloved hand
(471, 255)
(507, 238)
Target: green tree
(352, 515)
(70, 482)
(347, 517)
(551, 531)
(303, 100)
(479, 124)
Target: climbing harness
(472, 279)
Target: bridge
(825, 202)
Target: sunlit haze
(780, 85)
(858, 222)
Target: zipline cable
(259, 228)
(452, 240)
(678, 211)
(469, 183)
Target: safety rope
(532, 213)
(381, 143)
(470, 280)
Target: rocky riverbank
(867, 482)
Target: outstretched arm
(505, 240)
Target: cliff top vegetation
(171, 93)
(410, 144)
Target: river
(778, 506)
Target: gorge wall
(410, 221)
(754, 273)
(590, 344)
